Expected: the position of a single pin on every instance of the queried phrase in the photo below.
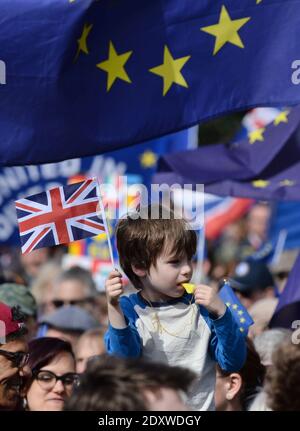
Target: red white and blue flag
(60, 215)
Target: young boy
(162, 322)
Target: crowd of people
(68, 344)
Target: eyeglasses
(19, 359)
(60, 303)
(47, 379)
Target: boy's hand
(114, 287)
(209, 298)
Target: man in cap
(252, 281)
(14, 371)
(14, 295)
(67, 323)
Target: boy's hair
(117, 384)
(140, 241)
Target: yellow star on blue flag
(237, 309)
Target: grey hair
(268, 341)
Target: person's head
(268, 341)
(14, 371)
(115, 384)
(252, 281)
(258, 219)
(234, 391)
(14, 295)
(156, 254)
(261, 312)
(43, 285)
(53, 379)
(90, 344)
(67, 323)
(33, 261)
(75, 286)
(281, 268)
(283, 378)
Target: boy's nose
(186, 269)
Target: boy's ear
(139, 271)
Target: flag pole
(105, 223)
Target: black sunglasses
(58, 303)
(19, 359)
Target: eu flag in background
(83, 77)
(265, 165)
(239, 312)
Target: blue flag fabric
(266, 165)
(239, 312)
(81, 77)
(285, 222)
(288, 308)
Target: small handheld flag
(239, 312)
(60, 215)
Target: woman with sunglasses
(52, 363)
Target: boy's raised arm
(114, 289)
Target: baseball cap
(250, 276)
(10, 321)
(70, 318)
(14, 294)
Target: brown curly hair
(283, 378)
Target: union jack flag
(59, 216)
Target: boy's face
(165, 278)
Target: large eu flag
(80, 77)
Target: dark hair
(140, 241)
(283, 378)
(43, 350)
(116, 384)
(252, 374)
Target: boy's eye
(174, 262)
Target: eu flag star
(226, 31)
(287, 183)
(82, 41)
(260, 184)
(115, 66)
(170, 70)
(148, 159)
(281, 118)
(256, 135)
